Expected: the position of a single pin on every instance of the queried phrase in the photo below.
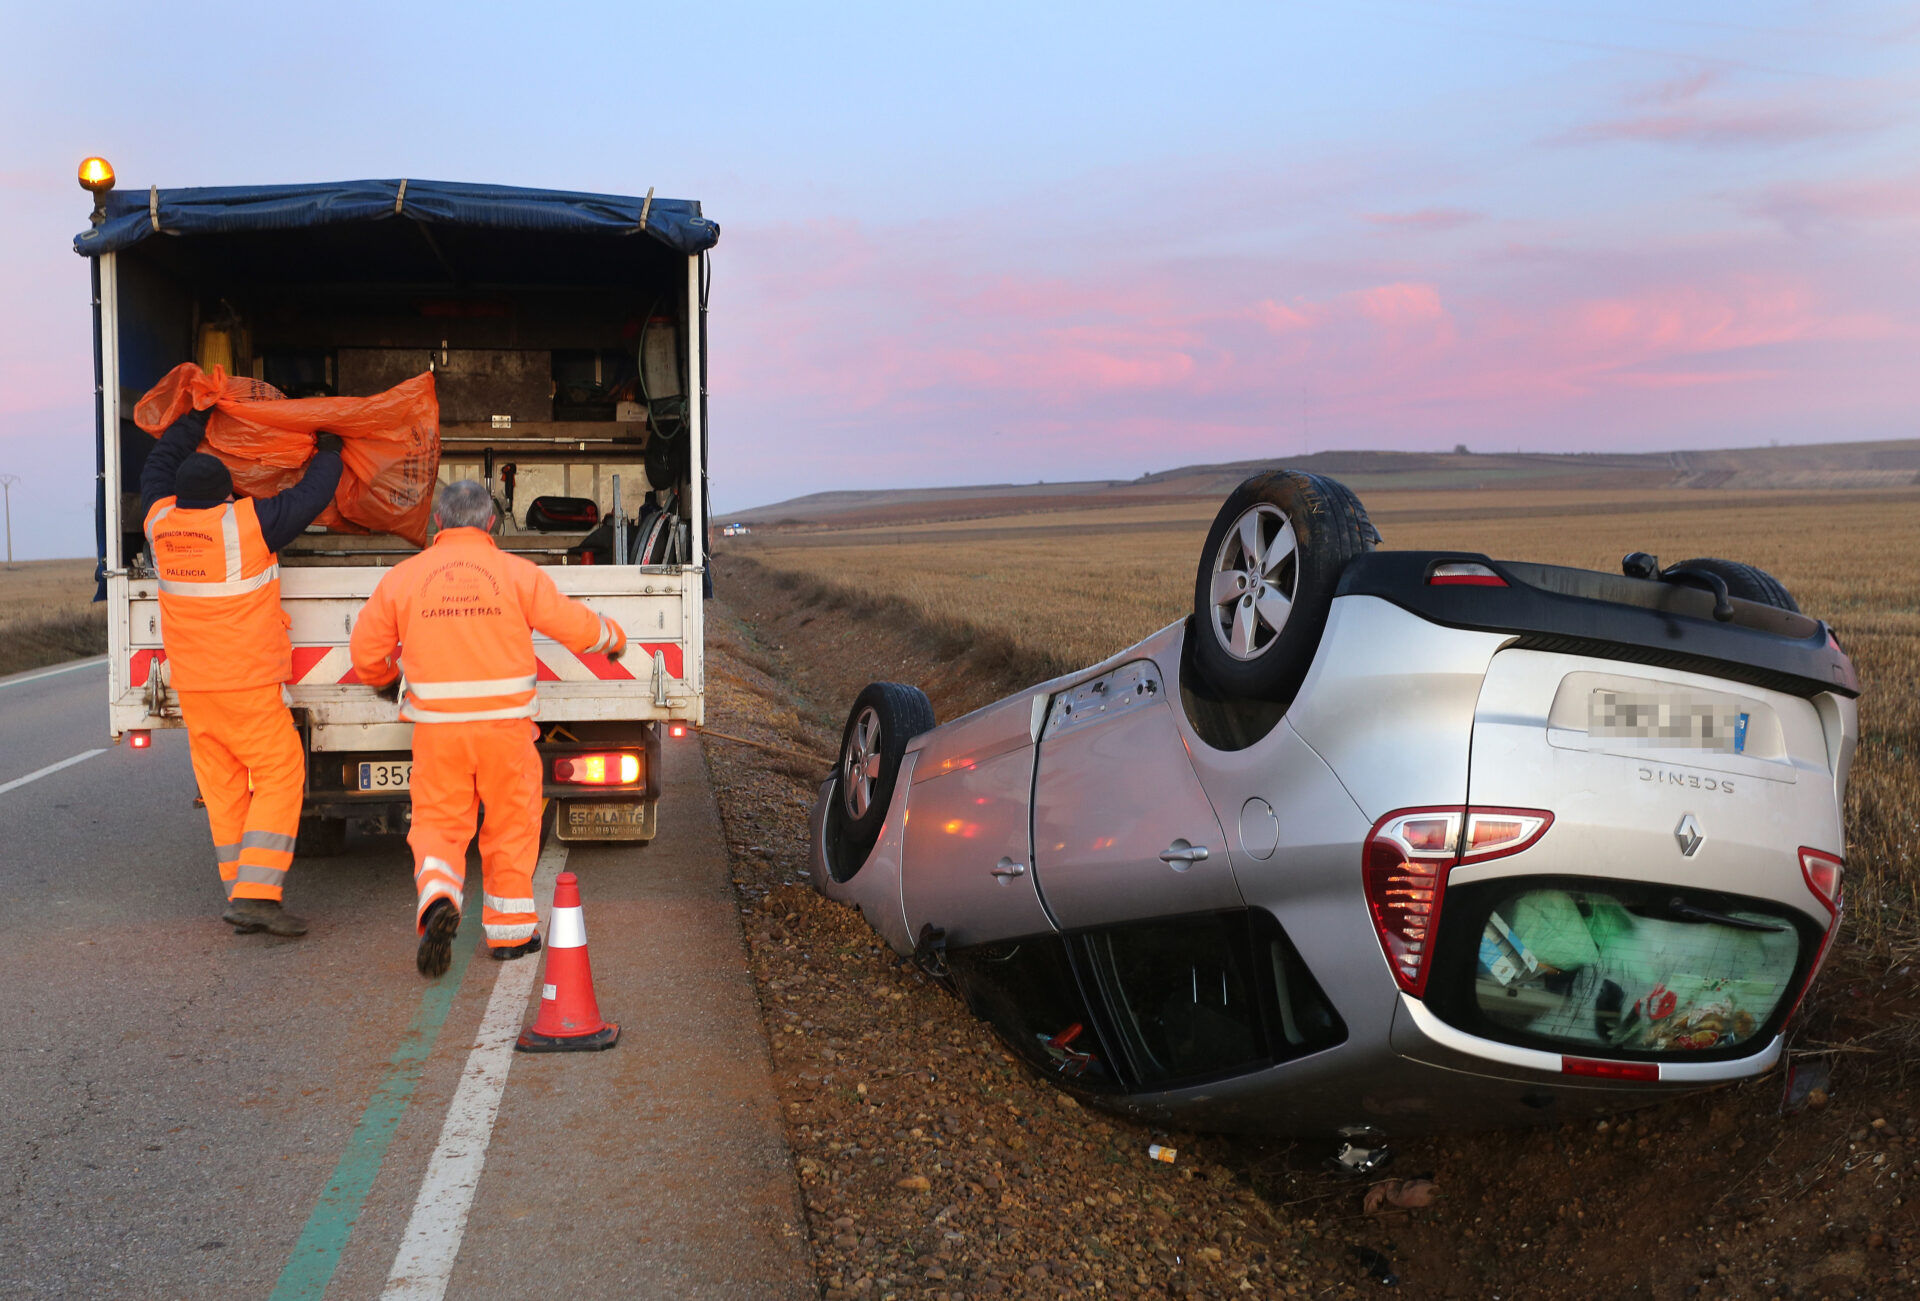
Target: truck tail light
(1461, 573)
(612, 769)
(1404, 869)
(676, 730)
(140, 740)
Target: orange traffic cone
(569, 1019)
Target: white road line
(431, 1242)
(49, 770)
(64, 668)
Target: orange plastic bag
(390, 443)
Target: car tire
(1745, 582)
(885, 716)
(1257, 618)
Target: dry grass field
(47, 615)
(1070, 588)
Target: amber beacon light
(96, 178)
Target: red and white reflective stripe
(567, 929)
(141, 664)
(323, 666)
(558, 664)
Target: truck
(566, 336)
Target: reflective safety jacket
(220, 615)
(462, 615)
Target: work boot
(249, 915)
(508, 952)
(435, 954)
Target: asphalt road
(188, 1112)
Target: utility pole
(6, 491)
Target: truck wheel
(1745, 582)
(320, 837)
(1266, 580)
(885, 716)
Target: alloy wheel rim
(1256, 573)
(860, 763)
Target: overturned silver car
(1383, 840)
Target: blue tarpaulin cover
(211, 210)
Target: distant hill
(1822, 466)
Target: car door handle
(1180, 855)
(1006, 869)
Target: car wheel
(1267, 575)
(885, 716)
(1745, 582)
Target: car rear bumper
(1420, 1035)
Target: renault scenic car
(1391, 840)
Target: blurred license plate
(386, 776)
(1680, 719)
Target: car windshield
(1632, 971)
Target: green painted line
(317, 1254)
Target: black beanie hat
(202, 480)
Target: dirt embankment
(46, 615)
(934, 1166)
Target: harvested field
(887, 1079)
(47, 614)
(1056, 592)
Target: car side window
(1027, 990)
(1207, 996)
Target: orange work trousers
(252, 774)
(456, 768)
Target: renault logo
(1688, 834)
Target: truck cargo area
(564, 334)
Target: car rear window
(1619, 969)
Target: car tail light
(1405, 864)
(1495, 833)
(1823, 872)
(140, 740)
(1407, 858)
(598, 769)
(1461, 573)
(1647, 1072)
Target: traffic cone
(569, 1019)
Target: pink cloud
(1424, 219)
(1805, 207)
(902, 355)
(1401, 304)
(1682, 111)
(1715, 127)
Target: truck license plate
(606, 821)
(386, 776)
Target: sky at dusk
(992, 243)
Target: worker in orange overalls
(453, 628)
(229, 657)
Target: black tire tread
(1745, 582)
(905, 712)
